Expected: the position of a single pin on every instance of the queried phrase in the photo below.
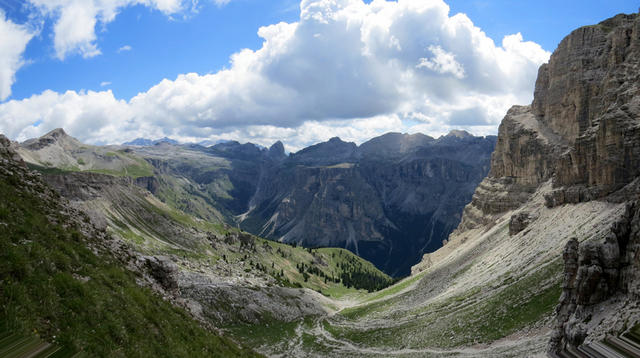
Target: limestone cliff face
(589, 94)
(525, 156)
(582, 130)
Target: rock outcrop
(519, 222)
(581, 131)
(600, 277)
(163, 270)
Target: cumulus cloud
(13, 41)
(442, 62)
(75, 20)
(345, 68)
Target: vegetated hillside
(546, 255)
(225, 276)
(60, 281)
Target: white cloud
(13, 41)
(105, 83)
(92, 116)
(345, 68)
(124, 48)
(75, 20)
(442, 62)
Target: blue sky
(142, 45)
(161, 47)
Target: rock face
(599, 275)
(581, 134)
(525, 156)
(582, 129)
(389, 200)
(589, 95)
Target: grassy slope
(278, 260)
(129, 164)
(510, 304)
(52, 285)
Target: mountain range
(389, 200)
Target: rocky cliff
(601, 286)
(577, 142)
(581, 130)
(389, 200)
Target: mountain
(76, 287)
(145, 142)
(70, 236)
(389, 200)
(564, 176)
(545, 258)
(57, 149)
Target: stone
(519, 222)
(164, 271)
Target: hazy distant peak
(393, 144)
(335, 150)
(459, 133)
(277, 150)
(144, 142)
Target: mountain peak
(394, 144)
(144, 142)
(335, 150)
(277, 150)
(56, 133)
(459, 133)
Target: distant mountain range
(389, 200)
(148, 142)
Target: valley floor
(485, 294)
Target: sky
(109, 71)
